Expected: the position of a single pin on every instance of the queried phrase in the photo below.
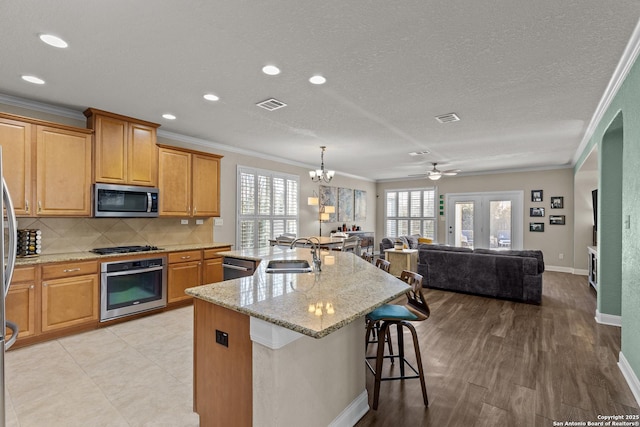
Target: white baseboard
(580, 272)
(352, 413)
(608, 319)
(630, 376)
(558, 269)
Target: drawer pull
(69, 270)
(186, 257)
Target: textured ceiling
(525, 77)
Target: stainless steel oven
(132, 286)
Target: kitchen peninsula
(286, 348)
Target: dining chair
(350, 244)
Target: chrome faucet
(315, 250)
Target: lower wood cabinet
(70, 301)
(184, 271)
(212, 271)
(70, 295)
(21, 302)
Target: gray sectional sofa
(514, 275)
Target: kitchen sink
(288, 266)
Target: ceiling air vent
(448, 118)
(271, 104)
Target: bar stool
(415, 310)
(367, 257)
(373, 327)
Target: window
(267, 206)
(410, 212)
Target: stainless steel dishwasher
(237, 267)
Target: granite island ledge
(263, 358)
(353, 286)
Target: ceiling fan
(435, 174)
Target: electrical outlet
(199, 221)
(218, 221)
(561, 256)
(222, 338)
(184, 222)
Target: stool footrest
(402, 377)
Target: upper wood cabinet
(47, 166)
(63, 170)
(17, 151)
(125, 149)
(189, 183)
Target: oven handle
(235, 267)
(125, 272)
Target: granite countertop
(351, 285)
(90, 256)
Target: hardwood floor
(491, 362)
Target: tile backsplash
(63, 235)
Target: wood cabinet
(63, 172)
(183, 271)
(17, 154)
(212, 271)
(48, 166)
(125, 150)
(21, 301)
(70, 295)
(189, 183)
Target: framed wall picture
(557, 202)
(556, 219)
(536, 226)
(536, 212)
(345, 205)
(329, 197)
(536, 195)
(360, 205)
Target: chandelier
(319, 175)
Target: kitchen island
(286, 348)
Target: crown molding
(42, 107)
(627, 60)
(198, 142)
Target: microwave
(125, 201)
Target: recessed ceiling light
(54, 41)
(33, 79)
(271, 70)
(169, 116)
(318, 80)
(211, 97)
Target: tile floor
(137, 373)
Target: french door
(485, 220)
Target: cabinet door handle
(69, 270)
(186, 257)
(31, 287)
(26, 205)
(44, 285)
(195, 210)
(39, 206)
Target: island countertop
(298, 301)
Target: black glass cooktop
(123, 249)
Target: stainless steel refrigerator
(8, 250)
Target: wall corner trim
(630, 376)
(608, 319)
